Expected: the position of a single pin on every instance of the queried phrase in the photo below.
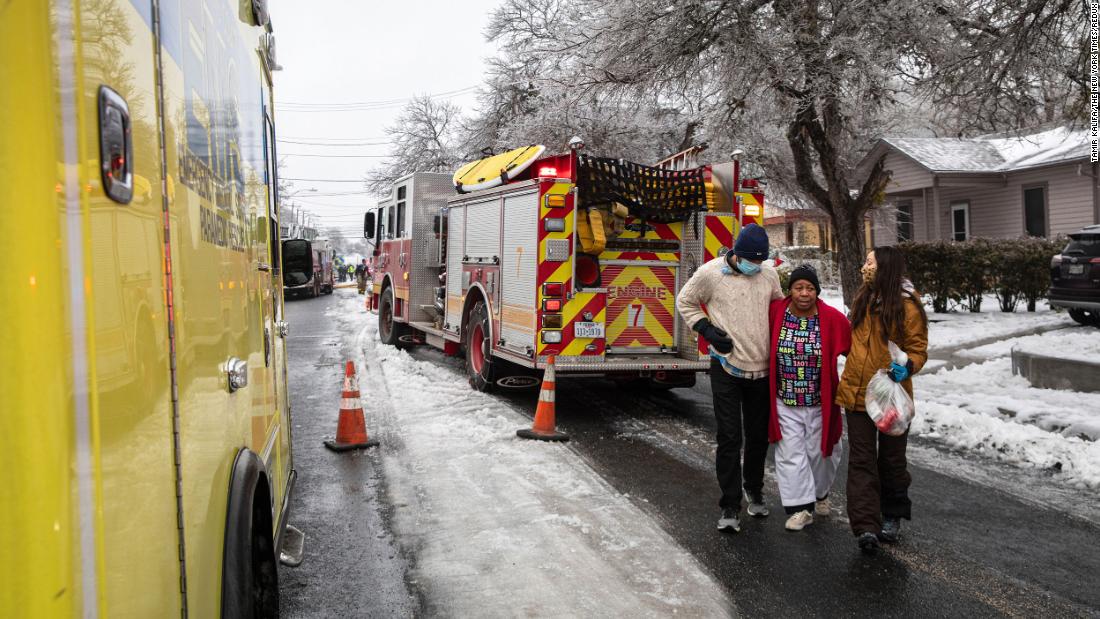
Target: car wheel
(1081, 317)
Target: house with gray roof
(996, 186)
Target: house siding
(998, 212)
(907, 175)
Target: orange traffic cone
(351, 430)
(543, 427)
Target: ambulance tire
(250, 571)
(389, 330)
(481, 367)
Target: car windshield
(1083, 245)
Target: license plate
(1076, 269)
(588, 329)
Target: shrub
(949, 272)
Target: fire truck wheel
(480, 365)
(389, 332)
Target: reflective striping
(73, 224)
(351, 404)
(547, 393)
(351, 394)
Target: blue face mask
(746, 267)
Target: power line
(323, 180)
(335, 156)
(313, 137)
(377, 102)
(313, 143)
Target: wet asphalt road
(974, 548)
(352, 566)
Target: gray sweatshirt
(737, 304)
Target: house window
(905, 221)
(790, 234)
(1035, 211)
(960, 220)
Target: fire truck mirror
(368, 226)
(116, 149)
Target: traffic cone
(351, 429)
(543, 427)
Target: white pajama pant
(803, 473)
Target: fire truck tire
(481, 367)
(250, 576)
(389, 331)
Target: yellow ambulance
(144, 420)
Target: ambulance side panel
(41, 576)
(214, 113)
(124, 244)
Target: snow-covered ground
(507, 527)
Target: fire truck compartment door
(641, 303)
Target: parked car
(1075, 276)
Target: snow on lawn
(1071, 343)
(499, 526)
(983, 408)
(960, 329)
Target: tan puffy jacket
(870, 354)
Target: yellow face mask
(868, 274)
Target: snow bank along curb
(984, 409)
(503, 527)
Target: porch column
(936, 205)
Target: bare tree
(424, 139)
(822, 78)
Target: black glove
(716, 337)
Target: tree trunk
(851, 251)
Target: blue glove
(899, 373)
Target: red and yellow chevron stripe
(640, 305)
(719, 235)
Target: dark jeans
(737, 401)
(878, 480)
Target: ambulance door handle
(236, 374)
(116, 146)
(282, 328)
(263, 267)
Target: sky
(373, 55)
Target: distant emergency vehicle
(308, 266)
(144, 420)
(571, 256)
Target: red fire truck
(578, 257)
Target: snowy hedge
(959, 273)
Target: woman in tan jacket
(886, 308)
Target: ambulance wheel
(480, 365)
(389, 332)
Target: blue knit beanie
(752, 243)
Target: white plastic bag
(888, 404)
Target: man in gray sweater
(736, 289)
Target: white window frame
(964, 206)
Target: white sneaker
(756, 507)
(729, 520)
(799, 520)
(821, 508)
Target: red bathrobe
(836, 339)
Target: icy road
(454, 516)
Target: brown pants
(878, 480)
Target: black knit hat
(752, 243)
(806, 272)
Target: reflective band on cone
(543, 428)
(351, 429)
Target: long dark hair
(886, 293)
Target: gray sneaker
(729, 520)
(756, 508)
